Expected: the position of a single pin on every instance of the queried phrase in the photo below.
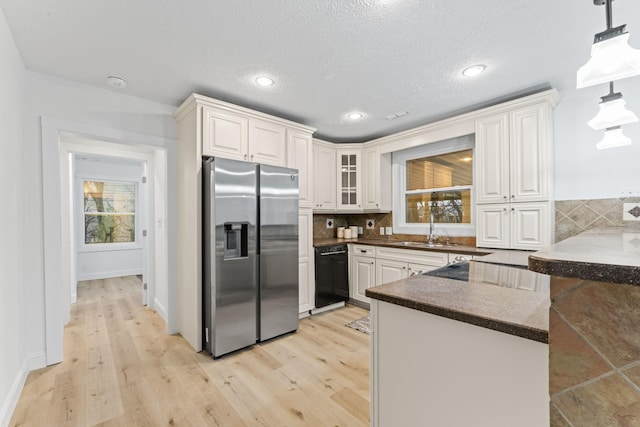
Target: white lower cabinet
(374, 265)
(363, 276)
(390, 271)
(514, 225)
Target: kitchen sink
(420, 244)
(410, 243)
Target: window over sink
(435, 181)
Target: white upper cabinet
(299, 156)
(376, 185)
(492, 159)
(525, 226)
(224, 134)
(349, 168)
(324, 182)
(513, 156)
(530, 154)
(238, 133)
(267, 142)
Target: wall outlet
(382, 231)
(330, 222)
(359, 230)
(631, 211)
(389, 231)
(371, 224)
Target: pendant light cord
(608, 13)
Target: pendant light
(611, 56)
(612, 112)
(613, 137)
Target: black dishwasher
(332, 275)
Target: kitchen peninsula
(451, 352)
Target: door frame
(57, 250)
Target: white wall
(100, 261)
(581, 170)
(13, 308)
(65, 100)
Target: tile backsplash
(575, 216)
(320, 230)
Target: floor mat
(363, 324)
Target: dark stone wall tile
(608, 316)
(572, 361)
(633, 374)
(609, 402)
(560, 285)
(556, 419)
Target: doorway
(63, 141)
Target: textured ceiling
(327, 57)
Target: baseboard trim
(160, 309)
(328, 307)
(37, 360)
(9, 405)
(109, 274)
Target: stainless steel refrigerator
(250, 253)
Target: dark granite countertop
(517, 312)
(420, 246)
(606, 254)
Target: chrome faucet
(432, 231)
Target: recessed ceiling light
(117, 82)
(474, 70)
(355, 116)
(264, 81)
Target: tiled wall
(575, 216)
(594, 354)
(320, 230)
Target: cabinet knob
(245, 157)
(513, 209)
(404, 268)
(252, 157)
(505, 197)
(504, 209)
(513, 197)
(377, 205)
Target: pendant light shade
(613, 138)
(612, 112)
(611, 59)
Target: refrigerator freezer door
(278, 251)
(230, 261)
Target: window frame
(399, 183)
(113, 246)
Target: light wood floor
(121, 369)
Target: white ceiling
(379, 57)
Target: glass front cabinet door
(349, 171)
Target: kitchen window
(435, 181)
(109, 212)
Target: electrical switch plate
(371, 224)
(631, 211)
(330, 222)
(389, 231)
(382, 231)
